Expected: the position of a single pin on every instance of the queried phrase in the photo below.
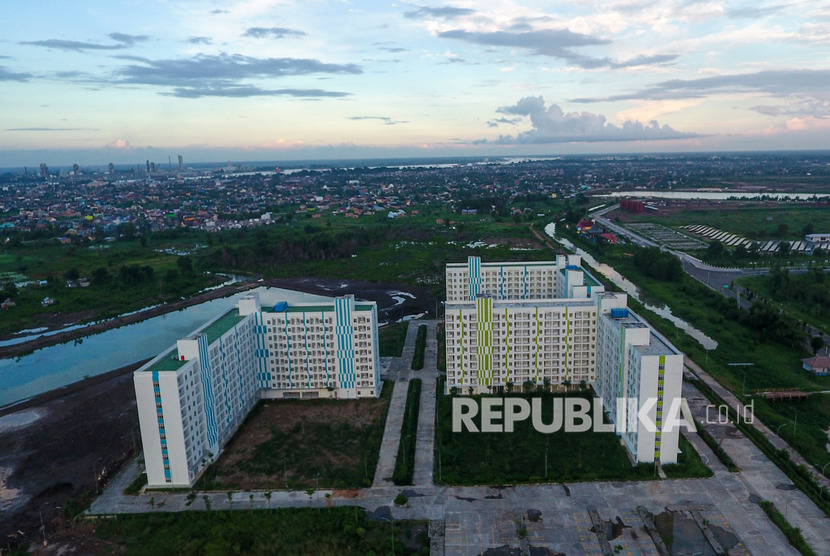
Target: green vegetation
(123, 278)
(137, 484)
(300, 531)
(793, 534)
(420, 347)
(528, 456)
(441, 337)
(688, 463)
(753, 221)
(773, 342)
(392, 338)
(804, 296)
(299, 444)
(405, 461)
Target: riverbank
(23, 348)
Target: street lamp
(95, 475)
(392, 529)
(777, 432)
(823, 468)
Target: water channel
(631, 289)
(63, 364)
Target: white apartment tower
(552, 323)
(192, 398)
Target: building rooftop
(221, 325)
(317, 308)
(496, 265)
(526, 303)
(167, 362)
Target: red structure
(637, 207)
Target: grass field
(392, 338)
(301, 444)
(296, 531)
(751, 220)
(528, 456)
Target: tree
(816, 343)
(9, 289)
(100, 276)
(781, 230)
(715, 251)
(185, 264)
(72, 274)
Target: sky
(124, 81)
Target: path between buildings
(394, 417)
(424, 448)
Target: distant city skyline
(128, 81)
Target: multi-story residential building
(573, 333)
(637, 368)
(192, 398)
(520, 280)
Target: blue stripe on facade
(287, 352)
(225, 380)
(524, 280)
(307, 355)
(239, 367)
(326, 348)
(207, 387)
(501, 287)
(345, 349)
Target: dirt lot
(51, 445)
(303, 444)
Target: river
(714, 195)
(631, 289)
(63, 364)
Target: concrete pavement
(424, 449)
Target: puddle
(534, 515)
(785, 486)
(682, 535)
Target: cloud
(219, 12)
(786, 82)
(552, 125)
(223, 75)
(242, 91)
(199, 40)
(272, 33)
(445, 12)
(6, 75)
(120, 145)
(557, 43)
(123, 41)
(385, 119)
(221, 69)
(503, 121)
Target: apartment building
(637, 368)
(192, 398)
(573, 333)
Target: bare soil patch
(301, 444)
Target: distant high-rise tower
(112, 168)
(181, 162)
(148, 166)
(75, 169)
(44, 170)
(152, 167)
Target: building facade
(572, 333)
(192, 398)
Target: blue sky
(123, 81)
